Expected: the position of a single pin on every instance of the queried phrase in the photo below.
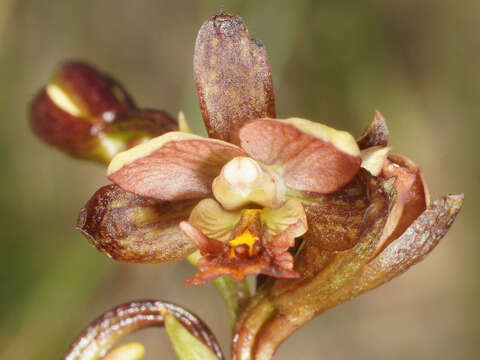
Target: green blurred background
(332, 61)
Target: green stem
(235, 294)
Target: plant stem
(235, 294)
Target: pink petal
(175, 166)
(307, 162)
(206, 245)
(412, 197)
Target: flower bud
(87, 114)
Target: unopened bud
(87, 114)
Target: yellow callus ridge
(246, 238)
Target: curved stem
(259, 312)
(117, 323)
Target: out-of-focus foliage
(332, 61)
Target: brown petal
(369, 202)
(336, 221)
(421, 237)
(310, 156)
(376, 134)
(234, 82)
(125, 319)
(206, 245)
(175, 166)
(412, 197)
(325, 273)
(132, 229)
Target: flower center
(243, 181)
(242, 173)
(242, 243)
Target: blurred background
(332, 61)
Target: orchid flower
(250, 215)
(320, 215)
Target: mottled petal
(234, 82)
(175, 166)
(307, 155)
(132, 229)
(412, 197)
(376, 134)
(336, 221)
(420, 238)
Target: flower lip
(244, 241)
(254, 241)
